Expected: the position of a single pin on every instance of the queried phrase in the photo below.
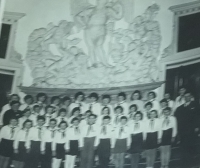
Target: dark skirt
(60, 151)
(35, 153)
(47, 157)
(151, 140)
(21, 156)
(136, 143)
(104, 147)
(6, 148)
(166, 137)
(120, 146)
(74, 150)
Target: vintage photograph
(99, 84)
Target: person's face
(163, 104)
(148, 107)
(41, 99)
(167, 96)
(49, 110)
(15, 106)
(29, 101)
(133, 109)
(52, 124)
(105, 111)
(76, 113)
(106, 121)
(76, 123)
(182, 91)
(67, 103)
(123, 121)
(151, 96)
(56, 101)
(63, 126)
(136, 96)
(80, 98)
(14, 98)
(91, 120)
(62, 114)
(40, 123)
(93, 99)
(37, 109)
(87, 115)
(138, 117)
(106, 101)
(166, 112)
(13, 122)
(28, 125)
(118, 111)
(188, 97)
(120, 98)
(152, 115)
(27, 114)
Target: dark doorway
(5, 88)
(187, 76)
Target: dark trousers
(46, 159)
(87, 153)
(135, 158)
(104, 153)
(187, 156)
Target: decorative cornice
(100, 91)
(186, 8)
(12, 16)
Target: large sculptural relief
(91, 52)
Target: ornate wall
(91, 51)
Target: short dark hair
(26, 121)
(63, 122)
(62, 110)
(74, 119)
(106, 117)
(106, 97)
(47, 107)
(53, 119)
(122, 94)
(168, 108)
(88, 111)
(148, 104)
(133, 105)
(119, 107)
(92, 115)
(54, 98)
(35, 106)
(123, 117)
(140, 113)
(164, 101)
(26, 110)
(95, 95)
(155, 111)
(66, 98)
(28, 97)
(15, 95)
(74, 110)
(14, 102)
(40, 118)
(13, 118)
(106, 108)
(78, 94)
(41, 95)
(154, 94)
(136, 91)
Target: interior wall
(40, 13)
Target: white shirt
(88, 131)
(48, 137)
(74, 133)
(82, 105)
(156, 105)
(4, 109)
(170, 104)
(125, 107)
(25, 106)
(95, 108)
(22, 136)
(122, 132)
(116, 120)
(110, 108)
(169, 122)
(137, 127)
(48, 117)
(60, 138)
(8, 132)
(153, 126)
(139, 103)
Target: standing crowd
(37, 134)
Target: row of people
(31, 146)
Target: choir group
(38, 134)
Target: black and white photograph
(99, 84)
